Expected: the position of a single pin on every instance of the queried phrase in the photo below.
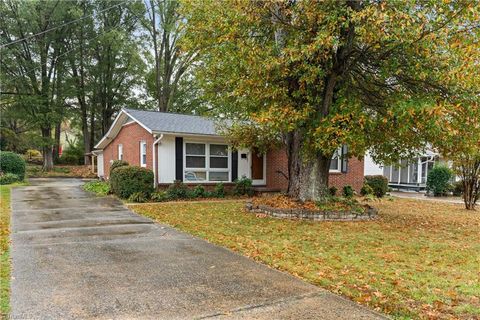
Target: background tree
(30, 67)
(170, 78)
(105, 63)
(321, 74)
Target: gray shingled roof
(174, 122)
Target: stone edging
(313, 215)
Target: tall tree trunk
(307, 177)
(47, 149)
(56, 147)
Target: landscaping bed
(338, 209)
(418, 259)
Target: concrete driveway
(77, 256)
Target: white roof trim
(113, 132)
(144, 126)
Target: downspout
(155, 166)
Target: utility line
(25, 73)
(62, 25)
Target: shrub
(177, 190)
(378, 183)
(438, 180)
(199, 192)
(457, 188)
(8, 178)
(332, 191)
(243, 186)
(32, 154)
(98, 187)
(127, 180)
(137, 197)
(347, 191)
(219, 191)
(73, 154)
(12, 163)
(366, 190)
(159, 196)
(117, 164)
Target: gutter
(155, 166)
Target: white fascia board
(141, 124)
(109, 135)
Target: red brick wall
(129, 136)
(353, 177)
(277, 161)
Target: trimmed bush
(219, 191)
(438, 180)
(177, 190)
(378, 183)
(366, 190)
(127, 180)
(117, 164)
(332, 191)
(8, 178)
(243, 186)
(12, 163)
(347, 191)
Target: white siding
(371, 168)
(166, 160)
(100, 165)
(244, 164)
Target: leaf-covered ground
(4, 251)
(420, 259)
(72, 171)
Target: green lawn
(420, 259)
(4, 250)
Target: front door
(258, 167)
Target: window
(120, 152)
(143, 153)
(206, 162)
(336, 163)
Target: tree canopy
(321, 74)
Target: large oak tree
(322, 74)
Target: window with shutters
(206, 162)
(336, 163)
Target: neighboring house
(189, 148)
(406, 174)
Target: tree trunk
(56, 148)
(471, 184)
(47, 149)
(307, 177)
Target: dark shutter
(179, 158)
(234, 165)
(344, 158)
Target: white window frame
(120, 151)
(207, 168)
(339, 160)
(143, 164)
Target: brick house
(189, 148)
